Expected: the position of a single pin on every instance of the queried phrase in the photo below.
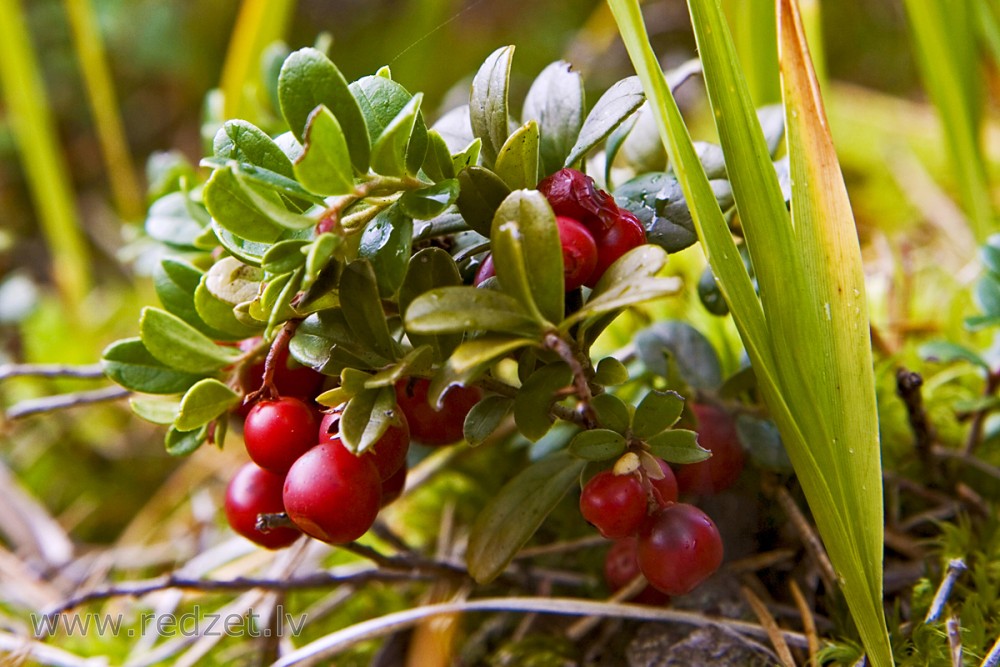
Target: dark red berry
(679, 547)
(614, 240)
(716, 433)
(578, 250)
(388, 453)
(665, 488)
(614, 504)
(621, 566)
(290, 377)
(428, 424)
(392, 488)
(573, 194)
(253, 491)
(333, 495)
(278, 432)
(486, 271)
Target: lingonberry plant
(435, 281)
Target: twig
(581, 381)
(36, 406)
(808, 620)
(908, 388)
(89, 372)
(773, 631)
(956, 566)
(971, 461)
(809, 538)
(335, 642)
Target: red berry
(428, 424)
(573, 194)
(578, 250)
(613, 240)
(614, 504)
(665, 488)
(388, 453)
(253, 491)
(679, 547)
(486, 271)
(278, 432)
(333, 495)
(621, 566)
(716, 433)
(392, 488)
(290, 377)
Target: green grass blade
(753, 28)
(125, 188)
(946, 52)
(37, 141)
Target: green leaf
(531, 272)
(175, 283)
(510, 519)
(232, 281)
(678, 446)
(203, 402)
(319, 257)
(128, 363)
(325, 341)
(233, 210)
(381, 101)
(760, 437)
(170, 221)
(946, 352)
(367, 417)
(472, 358)
(391, 154)
(269, 203)
(244, 142)
(362, 306)
(437, 162)
(611, 372)
(417, 361)
(556, 102)
(178, 345)
(284, 256)
(220, 315)
(488, 102)
(268, 180)
(597, 445)
(467, 157)
(386, 243)
(680, 344)
(485, 417)
(989, 254)
(157, 411)
(618, 103)
(446, 310)
(535, 399)
(182, 443)
(325, 165)
(430, 202)
(428, 269)
(987, 295)
(612, 412)
(658, 411)
(480, 194)
(308, 79)
(517, 161)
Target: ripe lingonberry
(392, 488)
(573, 194)
(580, 252)
(486, 270)
(253, 491)
(623, 233)
(621, 566)
(290, 378)
(614, 504)
(388, 453)
(678, 548)
(331, 494)
(278, 432)
(716, 433)
(666, 487)
(428, 424)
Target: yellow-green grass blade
(45, 167)
(259, 23)
(843, 428)
(943, 35)
(752, 25)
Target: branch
(89, 372)
(908, 388)
(62, 401)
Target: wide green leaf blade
(488, 102)
(245, 142)
(130, 364)
(513, 516)
(233, 210)
(458, 309)
(618, 103)
(517, 162)
(556, 102)
(325, 165)
(203, 402)
(178, 345)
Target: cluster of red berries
(593, 230)
(674, 545)
(299, 465)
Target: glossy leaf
(618, 103)
(386, 243)
(284, 256)
(203, 402)
(556, 102)
(656, 412)
(360, 300)
(597, 445)
(128, 363)
(485, 417)
(245, 142)
(678, 446)
(219, 315)
(325, 341)
(437, 162)
(458, 309)
(325, 164)
(268, 203)
(391, 152)
(488, 110)
(517, 161)
(510, 519)
(155, 410)
(681, 345)
(169, 221)
(430, 202)
(367, 417)
(480, 195)
(175, 283)
(474, 357)
(178, 345)
(381, 101)
(612, 412)
(535, 399)
(428, 269)
(232, 209)
(182, 443)
(309, 79)
(417, 361)
(610, 372)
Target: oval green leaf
(203, 402)
(488, 102)
(597, 445)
